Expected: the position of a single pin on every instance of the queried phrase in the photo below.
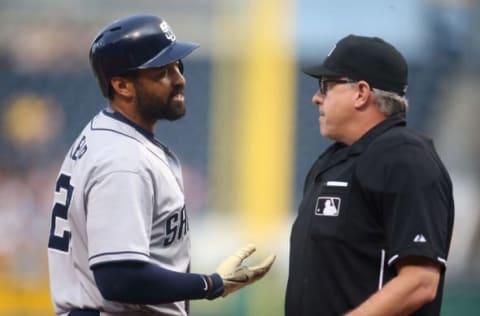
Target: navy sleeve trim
(118, 253)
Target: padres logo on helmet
(134, 42)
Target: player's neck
(132, 114)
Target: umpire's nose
(318, 98)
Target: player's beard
(152, 107)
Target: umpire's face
(159, 93)
(335, 101)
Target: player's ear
(123, 86)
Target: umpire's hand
(235, 276)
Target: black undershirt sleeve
(136, 282)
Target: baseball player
(119, 241)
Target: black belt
(84, 312)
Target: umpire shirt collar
(338, 152)
(360, 145)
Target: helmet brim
(172, 53)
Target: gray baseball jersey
(119, 196)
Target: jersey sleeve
(414, 203)
(119, 216)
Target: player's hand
(235, 276)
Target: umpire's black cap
(365, 58)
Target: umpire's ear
(364, 95)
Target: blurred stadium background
(250, 133)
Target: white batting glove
(235, 276)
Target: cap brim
(320, 71)
(172, 53)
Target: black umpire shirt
(385, 197)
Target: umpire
(374, 226)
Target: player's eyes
(161, 73)
(166, 71)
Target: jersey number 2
(61, 240)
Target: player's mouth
(179, 97)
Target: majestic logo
(419, 238)
(80, 149)
(327, 206)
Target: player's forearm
(146, 283)
(406, 293)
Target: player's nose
(178, 78)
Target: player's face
(335, 109)
(159, 93)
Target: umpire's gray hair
(390, 103)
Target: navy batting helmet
(134, 42)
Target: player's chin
(179, 108)
(176, 112)
(178, 104)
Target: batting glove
(235, 276)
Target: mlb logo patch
(327, 206)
